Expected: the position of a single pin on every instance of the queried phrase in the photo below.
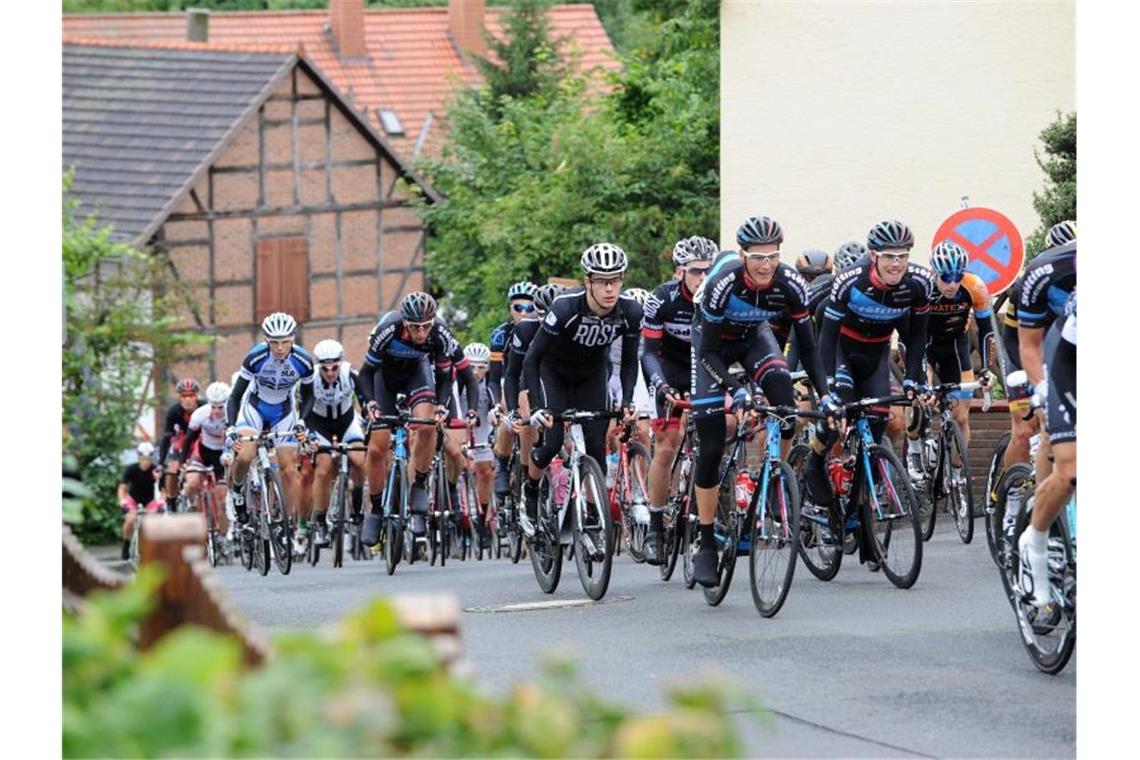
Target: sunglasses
(330, 367)
(697, 271)
(523, 308)
(767, 258)
(613, 281)
(419, 325)
(951, 277)
(894, 258)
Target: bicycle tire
(888, 542)
(593, 525)
(393, 518)
(245, 548)
(993, 477)
(926, 496)
(211, 527)
(689, 536)
(336, 513)
(822, 559)
(727, 525)
(775, 534)
(1018, 475)
(280, 527)
(671, 520)
(544, 548)
(637, 471)
(1050, 660)
(514, 502)
(957, 501)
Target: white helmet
(217, 392)
(477, 353)
(604, 258)
(638, 294)
(279, 325)
(328, 350)
(145, 449)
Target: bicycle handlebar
(575, 415)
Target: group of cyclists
(601, 346)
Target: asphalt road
(854, 667)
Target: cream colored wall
(835, 116)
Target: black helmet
(890, 234)
(759, 230)
(546, 295)
(813, 262)
(418, 307)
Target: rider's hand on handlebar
(300, 432)
(372, 409)
(911, 389)
(630, 414)
(833, 408)
(442, 413)
(742, 400)
(670, 393)
(495, 417)
(473, 418)
(542, 418)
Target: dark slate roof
(138, 122)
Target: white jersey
(213, 426)
(335, 399)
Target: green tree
(121, 312)
(533, 180)
(525, 61)
(1058, 201)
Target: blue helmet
(949, 260)
(522, 289)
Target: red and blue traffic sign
(992, 242)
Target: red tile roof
(412, 66)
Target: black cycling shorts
(863, 370)
(211, 458)
(582, 388)
(418, 385)
(1061, 406)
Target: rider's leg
(290, 478)
(244, 452)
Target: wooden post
(162, 539)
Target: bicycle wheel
(593, 530)
(891, 519)
(774, 538)
(1049, 635)
(960, 494)
(513, 505)
(675, 508)
(1019, 478)
(335, 519)
(993, 476)
(393, 518)
(818, 547)
(726, 526)
(211, 527)
(689, 533)
(545, 548)
(638, 495)
(926, 495)
(280, 524)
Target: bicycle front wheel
(212, 537)
(819, 548)
(337, 510)
(993, 476)
(593, 530)
(280, 524)
(544, 547)
(960, 493)
(774, 538)
(726, 528)
(890, 518)
(689, 535)
(675, 510)
(634, 495)
(394, 510)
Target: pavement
(852, 668)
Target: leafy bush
(369, 689)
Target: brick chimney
(346, 17)
(465, 22)
(197, 25)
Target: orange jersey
(949, 316)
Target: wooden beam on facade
(297, 210)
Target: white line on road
(550, 605)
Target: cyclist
(641, 398)
(136, 489)
(515, 384)
(520, 298)
(403, 349)
(336, 392)
(741, 293)
(174, 433)
(666, 329)
(957, 293)
(868, 303)
(1021, 430)
(480, 357)
(565, 364)
(205, 441)
(270, 371)
(1057, 487)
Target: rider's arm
(467, 378)
(173, 415)
(915, 341)
(833, 316)
(307, 400)
(359, 387)
(192, 435)
(511, 378)
(629, 362)
(534, 353)
(1031, 340)
(983, 313)
(710, 357)
(233, 405)
(799, 313)
(649, 351)
(499, 349)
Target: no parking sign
(992, 242)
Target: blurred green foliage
(368, 689)
(1058, 201)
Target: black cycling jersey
(731, 304)
(499, 343)
(515, 379)
(950, 316)
(1047, 282)
(666, 335)
(140, 483)
(174, 429)
(574, 338)
(865, 309)
(392, 356)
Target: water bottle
(1012, 507)
(1071, 517)
(611, 468)
(1018, 390)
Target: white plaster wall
(836, 115)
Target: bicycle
(875, 503)
(677, 503)
(217, 546)
(628, 493)
(484, 523)
(397, 538)
(270, 531)
(339, 499)
(443, 519)
(937, 464)
(573, 511)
